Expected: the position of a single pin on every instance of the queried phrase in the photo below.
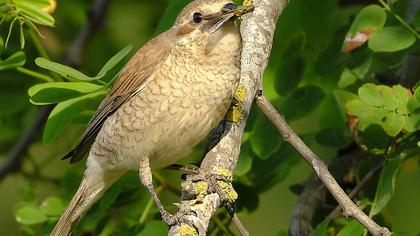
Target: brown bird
(171, 93)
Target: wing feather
(132, 79)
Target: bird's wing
(131, 80)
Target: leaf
(353, 228)
(10, 32)
(34, 13)
(69, 72)
(30, 215)
(170, 14)
(386, 185)
(155, 228)
(265, 139)
(393, 123)
(245, 160)
(52, 206)
(367, 21)
(321, 229)
(391, 39)
(15, 60)
(370, 94)
(1, 44)
(371, 17)
(49, 93)
(291, 65)
(111, 63)
(248, 198)
(63, 114)
(22, 36)
(300, 102)
(62, 70)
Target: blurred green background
(305, 69)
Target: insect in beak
(229, 12)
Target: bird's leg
(145, 174)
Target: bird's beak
(218, 19)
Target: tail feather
(90, 190)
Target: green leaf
(155, 228)
(393, 123)
(71, 73)
(34, 13)
(1, 44)
(15, 60)
(111, 63)
(321, 229)
(63, 114)
(391, 39)
(245, 160)
(49, 93)
(22, 36)
(372, 17)
(265, 139)
(30, 215)
(291, 65)
(353, 228)
(370, 94)
(170, 14)
(386, 185)
(300, 102)
(62, 70)
(52, 206)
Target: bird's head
(207, 20)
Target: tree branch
(257, 29)
(349, 208)
(73, 57)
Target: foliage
(337, 73)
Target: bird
(168, 97)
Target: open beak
(218, 19)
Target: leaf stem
(34, 74)
(38, 45)
(402, 21)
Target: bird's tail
(90, 190)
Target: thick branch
(73, 57)
(257, 31)
(349, 208)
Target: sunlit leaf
(367, 21)
(15, 60)
(29, 215)
(63, 114)
(48, 93)
(391, 39)
(321, 229)
(353, 228)
(34, 13)
(71, 73)
(52, 206)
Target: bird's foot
(179, 217)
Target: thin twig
(242, 230)
(356, 190)
(321, 169)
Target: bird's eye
(229, 6)
(197, 17)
